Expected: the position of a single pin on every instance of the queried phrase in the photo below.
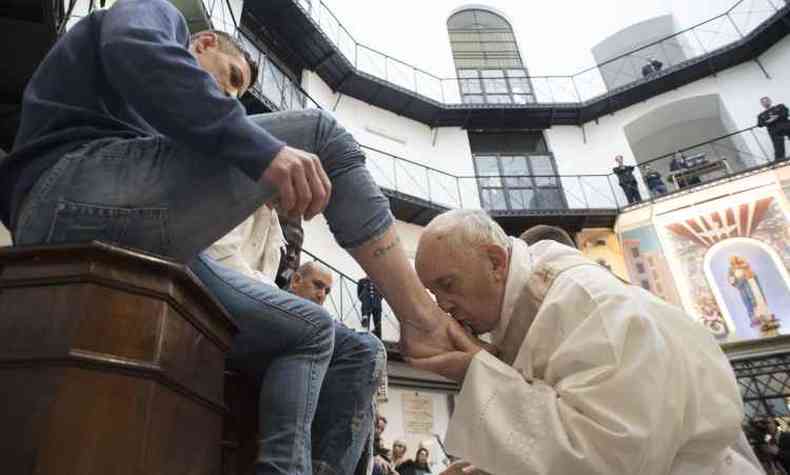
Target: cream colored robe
(605, 378)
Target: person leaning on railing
(627, 180)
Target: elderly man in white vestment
(593, 376)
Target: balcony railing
(707, 162)
(273, 87)
(721, 157)
(736, 152)
(674, 51)
(342, 302)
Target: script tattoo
(384, 250)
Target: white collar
(517, 276)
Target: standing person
(370, 299)
(627, 180)
(247, 259)
(149, 147)
(345, 412)
(654, 181)
(774, 118)
(293, 234)
(593, 376)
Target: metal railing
(273, 86)
(721, 157)
(717, 33)
(706, 162)
(342, 302)
(737, 152)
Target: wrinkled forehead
(434, 258)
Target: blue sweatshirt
(127, 72)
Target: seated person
(248, 258)
(594, 376)
(654, 182)
(149, 147)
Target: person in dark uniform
(370, 298)
(627, 180)
(654, 181)
(774, 118)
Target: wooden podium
(111, 363)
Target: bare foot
(421, 342)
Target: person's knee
(322, 336)
(372, 351)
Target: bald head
(312, 281)
(542, 232)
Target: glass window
(519, 85)
(498, 99)
(470, 99)
(493, 198)
(543, 165)
(494, 81)
(523, 198)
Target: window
(487, 59)
(515, 171)
(640, 268)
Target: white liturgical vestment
(596, 377)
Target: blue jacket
(127, 72)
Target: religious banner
(733, 256)
(417, 413)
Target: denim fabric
(156, 195)
(286, 342)
(344, 418)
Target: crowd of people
(149, 147)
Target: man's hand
(460, 468)
(454, 363)
(304, 189)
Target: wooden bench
(111, 362)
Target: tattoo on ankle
(384, 250)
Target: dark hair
(229, 44)
(542, 232)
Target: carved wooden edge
(100, 250)
(101, 362)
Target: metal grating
(765, 385)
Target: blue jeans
(160, 196)
(286, 342)
(153, 194)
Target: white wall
(740, 89)
(445, 149)
(393, 411)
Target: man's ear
(499, 259)
(296, 280)
(205, 40)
